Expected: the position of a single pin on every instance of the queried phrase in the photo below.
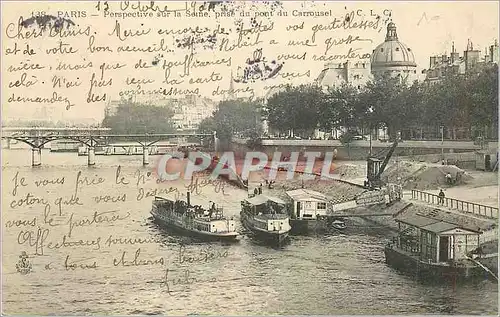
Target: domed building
(394, 58)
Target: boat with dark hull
(266, 218)
(411, 264)
(433, 244)
(180, 216)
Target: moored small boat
(338, 224)
(181, 216)
(266, 218)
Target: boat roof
(158, 198)
(303, 194)
(439, 220)
(262, 199)
(140, 145)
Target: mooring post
(36, 156)
(145, 155)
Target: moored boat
(64, 146)
(266, 218)
(433, 244)
(338, 224)
(181, 216)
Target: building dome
(392, 53)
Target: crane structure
(376, 166)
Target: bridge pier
(36, 157)
(145, 155)
(91, 156)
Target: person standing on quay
(441, 196)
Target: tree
(392, 103)
(232, 117)
(132, 118)
(483, 92)
(340, 107)
(295, 108)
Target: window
(321, 206)
(382, 49)
(397, 49)
(409, 50)
(308, 204)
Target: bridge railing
(459, 205)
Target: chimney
(432, 61)
(494, 52)
(188, 196)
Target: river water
(338, 273)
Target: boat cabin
(308, 204)
(437, 236)
(268, 212)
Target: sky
(428, 28)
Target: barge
(433, 244)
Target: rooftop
(438, 220)
(301, 194)
(262, 199)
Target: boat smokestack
(188, 198)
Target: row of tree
(233, 118)
(454, 102)
(132, 118)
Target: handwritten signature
(196, 185)
(185, 279)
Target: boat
(435, 245)
(266, 218)
(338, 224)
(308, 212)
(64, 146)
(181, 216)
(84, 150)
(129, 148)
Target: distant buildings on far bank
(189, 111)
(441, 66)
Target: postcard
(249, 158)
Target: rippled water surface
(338, 273)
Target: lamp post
(370, 111)
(442, 143)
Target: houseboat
(65, 146)
(309, 212)
(98, 150)
(182, 217)
(433, 244)
(129, 148)
(266, 218)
